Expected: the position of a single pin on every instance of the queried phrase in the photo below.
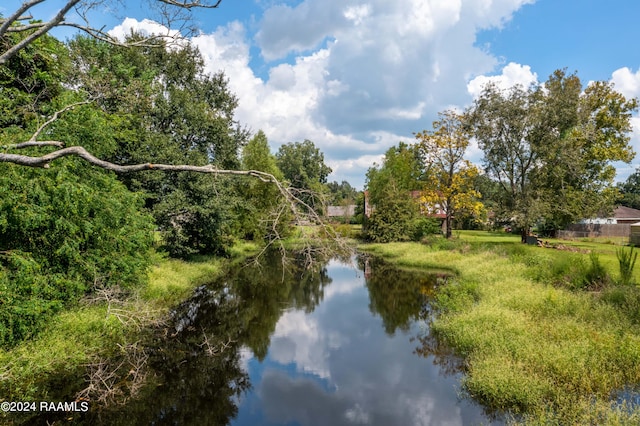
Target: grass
(544, 353)
(55, 362)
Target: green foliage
(341, 193)
(626, 261)
(402, 167)
(263, 215)
(60, 237)
(630, 191)
(30, 80)
(165, 108)
(397, 218)
(70, 228)
(550, 147)
(302, 164)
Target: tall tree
(59, 236)
(168, 107)
(16, 38)
(550, 147)
(302, 164)
(391, 189)
(450, 178)
(402, 167)
(262, 213)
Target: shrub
(627, 261)
(596, 276)
(62, 232)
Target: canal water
(345, 342)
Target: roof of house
(622, 212)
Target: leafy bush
(397, 218)
(62, 232)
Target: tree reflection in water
(402, 297)
(196, 361)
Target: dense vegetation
(72, 229)
(547, 335)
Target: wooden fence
(593, 230)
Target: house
(429, 211)
(616, 225)
(341, 211)
(621, 215)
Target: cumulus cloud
(512, 75)
(628, 83)
(146, 27)
(356, 79)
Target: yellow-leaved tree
(449, 187)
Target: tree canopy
(450, 179)
(550, 147)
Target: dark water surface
(337, 345)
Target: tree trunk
(447, 226)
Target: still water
(344, 343)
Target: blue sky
(357, 77)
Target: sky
(357, 77)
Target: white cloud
(626, 82)
(365, 76)
(146, 27)
(512, 75)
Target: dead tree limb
(11, 23)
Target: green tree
(264, 214)
(60, 237)
(391, 188)
(402, 167)
(450, 179)
(630, 190)
(302, 164)
(341, 193)
(396, 217)
(550, 147)
(171, 110)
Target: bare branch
(5, 56)
(191, 4)
(30, 144)
(100, 34)
(54, 117)
(22, 28)
(17, 15)
(6, 25)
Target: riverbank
(95, 345)
(533, 345)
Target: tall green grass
(535, 343)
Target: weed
(627, 261)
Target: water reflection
(273, 345)
(353, 359)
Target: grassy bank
(533, 345)
(108, 326)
